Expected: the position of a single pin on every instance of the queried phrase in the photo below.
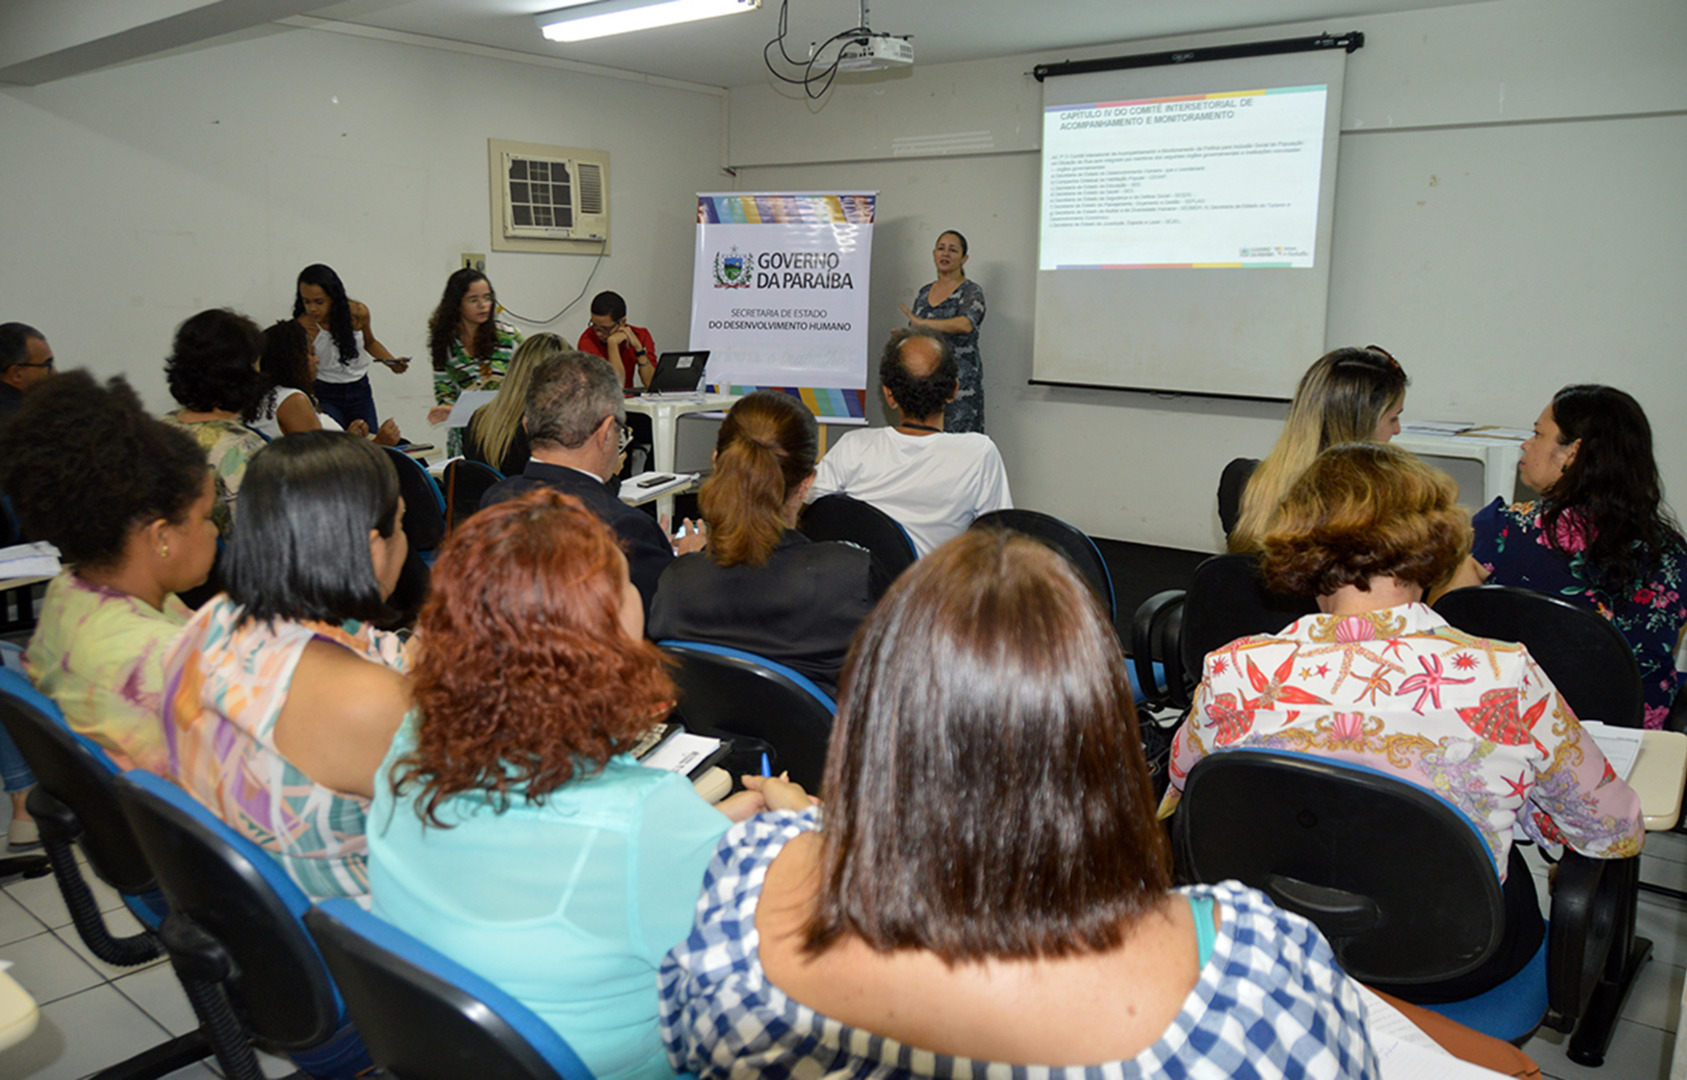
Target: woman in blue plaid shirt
(986, 891)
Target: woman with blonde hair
(1348, 395)
(495, 435)
(760, 585)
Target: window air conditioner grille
(591, 188)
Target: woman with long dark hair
(987, 892)
(1600, 535)
(288, 405)
(345, 343)
(469, 347)
(282, 696)
(760, 585)
(510, 828)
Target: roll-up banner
(779, 295)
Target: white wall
(1508, 219)
(136, 196)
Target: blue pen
(766, 769)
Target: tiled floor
(93, 1015)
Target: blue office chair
(75, 800)
(1226, 600)
(1586, 656)
(236, 938)
(426, 1017)
(465, 482)
(733, 694)
(1406, 891)
(840, 517)
(424, 504)
(1068, 539)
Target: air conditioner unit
(555, 198)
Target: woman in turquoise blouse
(510, 830)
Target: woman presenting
(954, 306)
(470, 349)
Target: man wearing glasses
(576, 421)
(25, 359)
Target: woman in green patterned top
(470, 349)
(213, 374)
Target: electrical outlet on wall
(474, 260)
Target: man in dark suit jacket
(574, 417)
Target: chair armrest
(1148, 638)
(1588, 899)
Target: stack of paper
(29, 561)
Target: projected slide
(1204, 180)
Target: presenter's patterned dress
(966, 412)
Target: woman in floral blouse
(1380, 680)
(470, 348)
(1600, 535)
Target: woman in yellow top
(137, 532)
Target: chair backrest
(1065, 538)
(1586, 657)
(465, 482)
(1231, 484)
(424, 503)
(426, 1017)
(840, 517)
(234, 891)
(725, 691)
(1227, 600)
(79, 775)
(1398, 880)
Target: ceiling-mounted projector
(874, 52)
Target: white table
(663, 412)
(1499, 456)
(1657, 777)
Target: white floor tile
(1637, 1053)
(1656, 998)
(41, 896)
(1665, 922)
(1669, 846)
(159, 993)
(16, 922)
(1671, 875)
(47, 968)
(80, 1034)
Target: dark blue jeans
(350, 401)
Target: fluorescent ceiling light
(582, 21)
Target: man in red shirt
(610, 335)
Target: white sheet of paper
(1619, 745)
(29, 560)
(681, 753)
(1434, 427)
(467, 402)
(1405, 1052)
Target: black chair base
(161, 1060)
(1592, 1037)
(29, 866)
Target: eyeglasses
(47, 363)
(626, 434)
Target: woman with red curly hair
(510, 830)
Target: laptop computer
(676, 373)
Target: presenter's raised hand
(911, 320)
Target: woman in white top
(288, 364)
(345, 343)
